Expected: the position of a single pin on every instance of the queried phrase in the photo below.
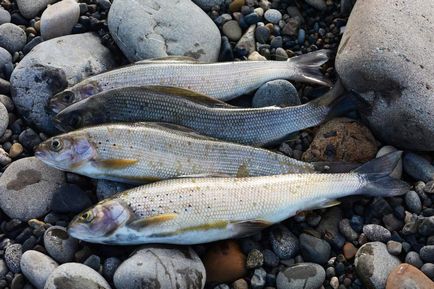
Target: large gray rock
(59, 19)
(52, 66)
(161, 267)
(373, 264)
(150, 28)
(30, 9)
(75, 276)
(386, 55)
(27, 187)
(37, 267)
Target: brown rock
(224, 262)
(236, 5)
(342, 139)
(406, 276)
(349, 251)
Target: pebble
(31, 44)
(5, 16)
(246, 45)
(258, 278)
(12, 37)
(5, 59)
(256, 56)
(4, 158)
(317, 4)
(414, 259)
(226, 53)
(284, 243)
(29, 138)
(262, 34)
(426, 226)
(110, 266)
(30, 9)
(413, 202)
(334, 282)
(93, 261)
(106, 189)
(376, 233)
(59, 244)
(12, 256)
(4, 119)
(59, 18)
(428, 270)
(394, 248)
(273, 16)
(406, 276)
(314, 249)
(6, 100)
(255, 259)
(75, 275)
(60, 62)
(329, 227)
(418, 167)
(232, 30)
(349, 251)
(148, 31)
(346, 230)
(70, 198)
(27, 187)
(37, 267)
(373, 264)
(270, 259)
(276, 92)
(161, 267)
(16, 150)
(240, 284)
(301, 276)
(224, 262)
(301, 36)
(427, 253)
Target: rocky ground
(385, 54)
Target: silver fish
(143, 152)
(224, 81)
(207, 116)
(193, 211)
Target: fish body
(224, 81)
(251, 126)
(144, 152)
(193, 211)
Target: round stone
(37, 267)
(59, 19)
(376, 233)
(262, 34)
(314, 249)
(59, 244)
(427, 253)
(30, 9)
(276, 92)
(27, 187)
(284, 243)
(5, 16)
(232, 30)
(413, 202)
(70, 198)
(6, 100)
(301, 276)
(406, 276)
(12, 37)
(273, 16)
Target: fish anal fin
(155, 220)
(250, 227)
(115, 163)
(326, 204)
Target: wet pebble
(12, 257)
(270, 259)
(59, 18)
(418, 167)
(240, 284)
(70, 198)
(349, 251)
(93, 261)
(414, 259)
(426, 226)
(16, 150)
(284, 244)
(277, 92)
(301, 276)
(413, 202)
(5, 16)
(427, 253)
(428, 270)
(346, 230)
(37, 267)
(376, 233)
(314, 249)
(59, 244)
(12, 37)
(262, 34)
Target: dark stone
(314, 249)
(70, 199)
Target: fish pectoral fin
(155, 220)
(326, 204)
(250, 227)
(115, 163)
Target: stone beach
(382, 51)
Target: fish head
(80, 91)
(100, 223)
(66, 152)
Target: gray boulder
(27, 187)
(52, 66)
(161, 267)
(385, 56)
(150, 29)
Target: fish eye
(56, 145)
(68, 96)
(87, 217)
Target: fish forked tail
(308, 67)
(377, 174)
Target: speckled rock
(393, 70)
(301, 276)
(342, 139)
(406, 276)
(52, 66)
(37, 267)
(284, 243)
(75, 276)
(59, 244)
(149, 28)
(373, 264)
(27, 187)
(161, 267)
(30, 9)
(12, 256)
(12, 37)
(59, 19)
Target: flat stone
(59, 19)
(393, 70)
(37, 267)
(52, 66)
(149, 29)
(318, 4)
(27, 187)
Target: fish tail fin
(337, 100)
(308, 67)
(377, 174)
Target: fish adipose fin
(308, 67)
(377, 175)
(250, 227)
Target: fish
(189, 211)
(224, 80)
(145, 152)
(207, 116)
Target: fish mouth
(60, 101)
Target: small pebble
(414, 259)
(301, 276)
(255, 259)
(314, 249)
(413, 202)
(376, 233)
(232, 30)
(427, 253)
(16, 150)
(284, 244)
(37, 267)
(109, 267)
(12, 37)
(276, 92)
(258, 279)
(12, 257)
(59, 244)
(273, 16)
(394, 248)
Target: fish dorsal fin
(155, 220)
(115, 163)
(190, 95)
(177, 129)
(169, 59)
(249, 227)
